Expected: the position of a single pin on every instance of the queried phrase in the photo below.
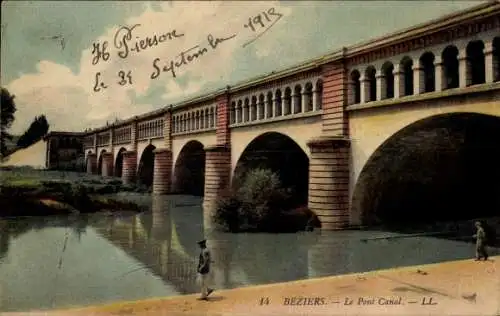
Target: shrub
(255, 205)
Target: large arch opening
(437, 170)
(146, 167)
(189, 176)
(119, 162)
(282, 155)
(99, 163)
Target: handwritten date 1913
(262, 20)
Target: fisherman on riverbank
(204, 273)
(480, 242)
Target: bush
(259, 203)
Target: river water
(60, 262)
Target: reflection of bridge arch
(146, 166)
(189, 172)
(119, 162)
(99, 163)
(437, 168)
(281, 154)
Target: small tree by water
(258, 203)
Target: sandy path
(463, 287)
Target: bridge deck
(463, 287)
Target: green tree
(38, 128)
(8, 109)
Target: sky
(52, 52)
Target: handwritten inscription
(99, 51)
(187, 56)
(262, 22)
(126, 43)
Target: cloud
(69, 101)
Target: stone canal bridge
(319, 124)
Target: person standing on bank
(480, 242)
(204, 270)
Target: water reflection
(134, 256)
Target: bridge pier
(92, 163)
(107, 164)
(329, 181)
(162, 171)
(129, 167)
(217, 172)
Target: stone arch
(388, 79)
(297, 97)
(119, 162)
(99, 162)
(261, 106)
(496, 59)
(239, 112)
(281, 154)
(278, 97)
(355, 87)
(475, 63)
(232, 113)
(440, 174)
(319, 92)
(253, 108)
(428, 72)
(450, 67)
(371, 94)
(287, 99)
(145, 169)
(406, 67)
(246, 110)
(189, 171)
(269, 104)
(308, 97)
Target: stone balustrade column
(440, 75)
(266, 108)
(316, 98)
(107, 164)
(275, 107)
(304, 97)
(245, 113)
(162, 171)
(129, 167)
(294, 108)
(381, 86)
(329, 181)
(92, 163)
(489, 64)
(464, 71)
(365, 89)
(399, 81)
(418, 80)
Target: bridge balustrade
(283, 102)
(103, 139)
(122, 135)
(150, 129)
(88, 141)
(454, 64)
(195, 120)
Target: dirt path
(465, 287)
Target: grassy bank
(28, 192)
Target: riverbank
(30, 192)
(464, 287)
